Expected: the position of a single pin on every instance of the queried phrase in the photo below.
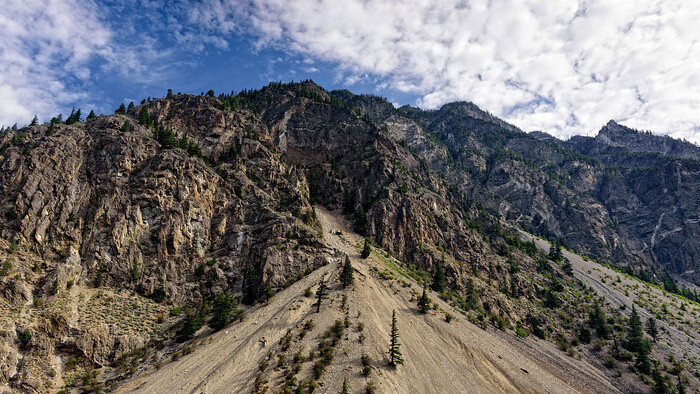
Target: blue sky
(239, 66)
(563, 67)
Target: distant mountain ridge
(614, 135)
(625, 196)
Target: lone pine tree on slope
(555, 253)
(345, 386)
(424, 302)
(366, 250)
(346, 275)
(395, 357)
(320, 294)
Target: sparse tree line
(628, 340)
(325, 352)
(633, 343)
(664, 279)
(165, 136)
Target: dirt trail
(441, 357)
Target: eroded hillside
(129, 241)
(271, 348)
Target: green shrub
(25, 338)
(224, 310)
(190, 325)
(6, 268)
(521, 331)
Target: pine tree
(366, 250)
(76, 117)
(251, 287)
(91, 115)
(424, 302)
(54, 287)
(615, 333)
(661, 385)
(439, 279)
(596, 319)
(677, 370)
(145, 118)
(568, 268)
(395, 357)
(193, 321)
(346, 275)
(18, 139)
(636, 342)
(35, 121)
(555, 252)
(131, 106)
(635, 333)
(642, 362)
(320, 294)
(170, 94)
(345, 386)
(222, 309)
(121, 109)
(652, 329)
(70, 119)
(361, 221)
(126, 127)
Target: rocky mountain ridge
(632, 202)
(172, 207)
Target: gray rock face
(617, 135)
(94, 205)
(93, 196)
(625, 196)
(229, 209)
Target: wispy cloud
(44, 49)
(565, 67)
(51, 53)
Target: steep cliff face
(537, 185)
(97, 204)
(614, 135)
(115, 202)
(624, 196)
(110, 225)
(649, 184)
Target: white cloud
(44, 46)
(565, 67)
(52, 51)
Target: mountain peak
(615, 134)
(472, 110)
(542, 136)
(612, 128)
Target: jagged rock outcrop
(187, 197)
(99, 204)
(625, 196)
